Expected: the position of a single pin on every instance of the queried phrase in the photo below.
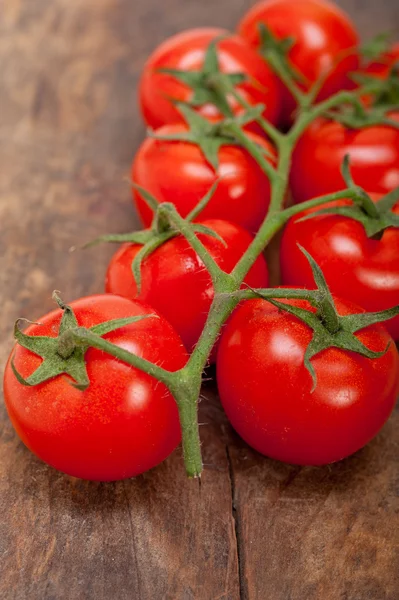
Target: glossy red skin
(186, 51)
(360, 269)
(317, 159)
(324, 38)
(265, 388)
(177, 172)
(175, 281)
(125, 422)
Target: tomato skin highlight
(177, 172)
(265, 388)
(326, 41)
(125, 422)
(175, 281)
(186, 51)
(318, 156)
(363, 270)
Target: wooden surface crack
(235, 517)
(133, 540)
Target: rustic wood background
(255, 529)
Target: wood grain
(69, 126)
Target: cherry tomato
(177, 172)
(363, 270)
(125, 422)
(317, 159)
(186, 51)
(325, 42)
(175, 281)
(266, 392)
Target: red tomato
(186, 51)
(265, 388)
(326, 41)
(175, 281)
(177, 172)
(317, 159)
(125, 422)
(363, 270)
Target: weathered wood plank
(69, 126)
(322, 533)
(319, 532)
(69, 129)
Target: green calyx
(64, 354)
(330, 330)
(375, 217)
(376, 47)
(162, 229)
(209, 85)
(383, 92)
(210, 137)
(276, 51)
(355, 115)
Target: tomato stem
(85, 337)
(186, 395)
(253, 149)
(331, 329)
(168, 211)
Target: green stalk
(84, 337)
(254, 150)
(186, 390)
(185, 384)
(169, 211)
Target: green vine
(66, 353)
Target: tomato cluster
(289, 396)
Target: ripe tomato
(175, 281)
(317, 159)
(326, 41)
(363, 270)
(265, 388)
(186, 51)
(177, 172)
(125, 422)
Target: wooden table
(255, 529)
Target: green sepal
(199, 228)
(154, 242)
(193, 214)
(209, 85)
(355, 115)
(383, 92)
(157, 241)
(108, 326)
(202, 133)
(375, 217)
(276, 52)
(208, 136)
(330, 330)
(61, 354)
(161, 231)
(373, 227)
(322, 339)
(378, 45)
(149, 199)
(135, 237)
